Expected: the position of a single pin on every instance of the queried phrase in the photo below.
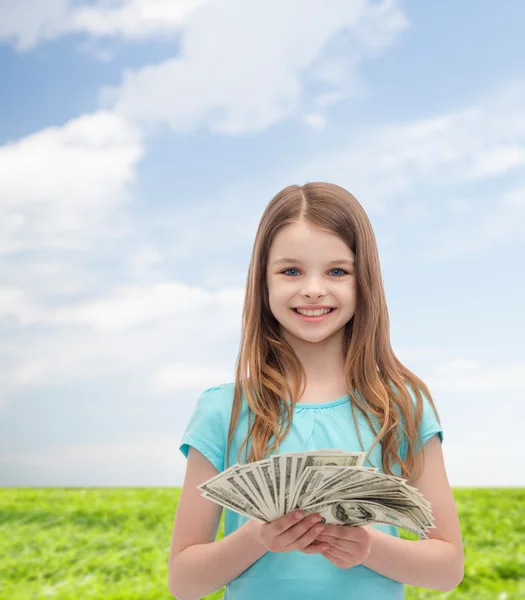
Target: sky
(141, 140)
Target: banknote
(330, 482)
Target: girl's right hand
(291, 532)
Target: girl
(302, 384)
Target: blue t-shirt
(295, 575)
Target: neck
(322, 361)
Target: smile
(314, 319)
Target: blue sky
(140, 141)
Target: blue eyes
(294, 269)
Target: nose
(314, 289)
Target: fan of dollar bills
(329, 482)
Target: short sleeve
(207, 428)
(429, 421)
(429, 424)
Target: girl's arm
(198, 565)
(436, 563)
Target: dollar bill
(232, 503)
(261, 495)
(333, 483)
(360, 512)
(226, 487)
(266, 469)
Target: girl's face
(322, 272)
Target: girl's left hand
(348, 546)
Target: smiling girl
(315, 370)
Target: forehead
(305, 242)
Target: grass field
(113, 544)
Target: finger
(306, 539)
(336, 561)
(338, 554)
(333, 530)
(315, 548)
(339, 542)
(346, 545)
(284, 523)
(327, 538)
(352, 533)
(291, 535)
(340, 530)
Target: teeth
(313, 313)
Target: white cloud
(50, 19)
(183, 375)
(382, 167)
(132, 305)
(463, 375)
(157, 460)
(45, 278)
(457, 367)
(470, 377)
(143, 260)
(480, 224)
(495, 161)
(59, 186)
(132, 19)
(328, 98)
(464, 146)
(316, 121)
(510, 219)
(241, 69)
(134, 329)
(24, 26)
(471, 460)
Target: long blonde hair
(371, 366)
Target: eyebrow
(296, 260)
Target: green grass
(113, 544)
